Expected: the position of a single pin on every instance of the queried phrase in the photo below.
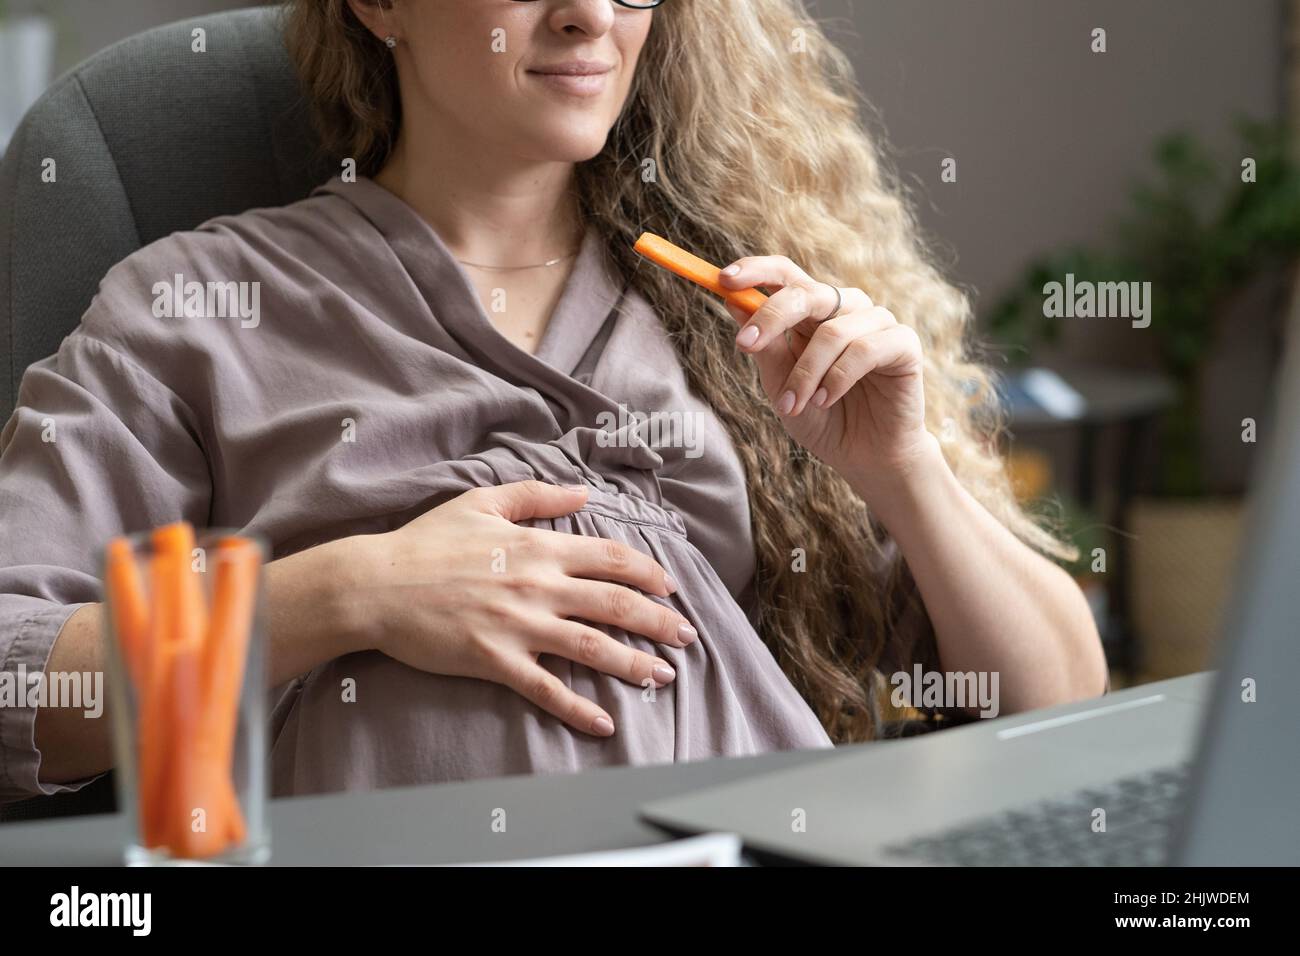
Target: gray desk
(546, 815)
(443, 823)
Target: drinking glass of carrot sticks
(186, 678)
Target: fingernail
(819, 397)
(664, 673)
(603, 726)
(576, 487)
(786, 405)
(686, 633)
(748, 336)
(669, 584)
(731, 270)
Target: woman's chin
(569, 145)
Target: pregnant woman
(475, 572)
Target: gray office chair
(147, 138)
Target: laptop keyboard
(1140, 814)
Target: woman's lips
(582, 84)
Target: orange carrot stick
(183, 629)
(237, 582)
(130, 608)
(153, 712)
(133, 624)
(188, 791)
(675, 259)
(139, 636)
(234, 592)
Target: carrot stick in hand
(675, 259)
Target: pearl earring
(390, 41)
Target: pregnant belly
(365, 721)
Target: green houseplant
(1198, 231)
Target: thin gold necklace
(540, 265)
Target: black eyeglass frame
(623, 3)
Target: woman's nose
(592, 17)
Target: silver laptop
(1199, 770)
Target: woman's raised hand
(848, 388)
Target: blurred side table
(1088, 400)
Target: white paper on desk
(709, 849)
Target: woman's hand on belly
(464, 591)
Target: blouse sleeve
(97, 447)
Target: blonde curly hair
(790, 167)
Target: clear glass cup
(184, 611)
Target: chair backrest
(147, 138)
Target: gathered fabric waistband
(621, 482)
(608, 501)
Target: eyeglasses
(633, 4)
